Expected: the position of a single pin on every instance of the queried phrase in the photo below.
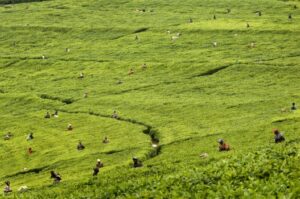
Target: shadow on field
(35, 170)
(133, 89)
(191, 138)
(141, 30)
(212, 71)
(4, 2)
(134, 32)
(65, 101)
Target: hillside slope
(214, 69)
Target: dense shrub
(268, 173)
(18, 1)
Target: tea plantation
(179, 74)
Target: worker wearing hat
(99, 164)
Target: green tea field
(163, 80)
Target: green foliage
(17, 1)
(265, 173)
(204, 80)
